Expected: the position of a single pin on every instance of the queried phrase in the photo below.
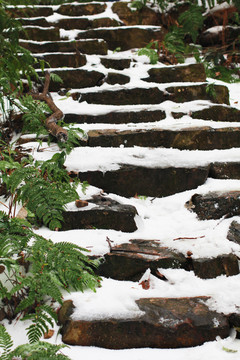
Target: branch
(51, 121)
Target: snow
(163, 219)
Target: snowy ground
(164, 219)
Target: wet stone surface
(105, 214)
(164, 323)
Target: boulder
(186, 73)
(157, 181)
(215, 205)
(104, 213)
(165, 323)
(209, 268)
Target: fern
(191, 21)
(5, 342)
(73, 137)
(38, 350)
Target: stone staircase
(131, 107)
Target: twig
(190, 238)
(51, 121)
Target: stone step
(86, 46)
(90, 8)
(30, 11)
(36, 33)
(164, 323)
(200, 138)
(40, 21)
(153, 95)
(101, 213)
(117, 64)
(129, 261)
(56, 60)
(214, 113)
(125, 38)
(117, 117)
(77, 78)
(130, 180)
(183, 73)
(215, 205)
(85, 23)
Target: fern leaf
(5, 342)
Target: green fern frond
(39, 350)
(5, 342)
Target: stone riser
(191, 139)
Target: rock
(77, 78)
(234, 232)
(125, 96)
(104, 22)
(126, 38)
(209, 268)
(73, 23)
(165, 323)
(88, 46)
(210, 38)
(104, 213)
(215, 205)
(65, 311)
(157, 182)
(219, 94)
(217, 113)
(116, 78)
(36, 33)
(117, 117)
(35, 22)
(186, 73)
(81, 9)
(64, 60)
(129, 261)
(225, 170)
(117, 64)
(204, 138)
(145, 16)
(28, 12)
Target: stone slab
(186, 73)
(165, 323)
(204, 138)
(217, 113)
(81, 9)
(117, 117)
(234, 232)
(215, 205)
(74, 60)
(106, 214)
(87, 46)
(36, 33)
(225, 170)
(129, 261)
(130, 180)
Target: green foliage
(37, 270)
(191, 21)
(74, 134)
(151, 51)
(39, 350)
(138, 4)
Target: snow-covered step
(129, 261)
(37, 33)
(192, 138)
(78, 9)
(86, 46)
(85, 23)
(154, 322)
(153, 95)
(56, 60)
(30, 11)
